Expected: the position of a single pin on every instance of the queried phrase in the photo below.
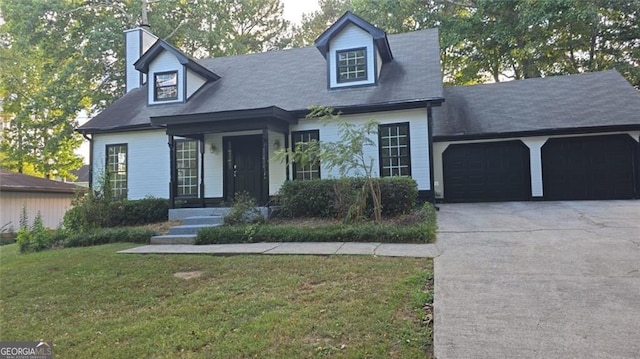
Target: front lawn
(93, 303)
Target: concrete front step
(202, 220)
(180, 214)
(186, 233)
(174, 239)
(190, 229)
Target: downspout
(430, 140)
(90, 139)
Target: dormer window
(166, 86)
(176, 77)
(355, 52)
(352, 65)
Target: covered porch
(227, 153)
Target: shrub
(144, 211)
(331, 198)
(110, 235)
(313, 198)
(399, 195)
(34, 238)
(243, 210)
(91, 212)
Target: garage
(591, 167)
(487, 172)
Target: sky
(293, 10)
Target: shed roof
(18, 182)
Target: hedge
(144, 211)
(89, 213)
(421, 232)
(328, 198)
(330, 233)
(110, 235)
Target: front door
(243, 170)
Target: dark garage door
(594, 167)
(484, 172)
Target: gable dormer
(355, 52)
(173, 77)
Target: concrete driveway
(538, 280)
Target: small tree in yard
(347, 155)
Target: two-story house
(199, 131)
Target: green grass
(93, 303)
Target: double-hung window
(395, 156)
(352, 65)
(187, 166)
(309, 170)
(117, 169)
(165, 86)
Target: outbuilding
(36, 195)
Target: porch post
(265, 165)
(430, 144)
(286, 160)
(202, 171)
(172, 171)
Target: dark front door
(243, 170)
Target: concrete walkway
(538, 280)
(428, 250)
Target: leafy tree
(315, 23)
(491, 40)
(43, 86)
(347, 155)
(61, 57)
(214, 28)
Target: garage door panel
(482, 172)
(594, 167)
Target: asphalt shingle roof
(553, 103)
(18, 182)
(82, 173)
(293, 80)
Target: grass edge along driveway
(92, 302)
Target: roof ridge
(534, 79)
(298, 48)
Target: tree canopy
(494, 40)
(61, 57)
